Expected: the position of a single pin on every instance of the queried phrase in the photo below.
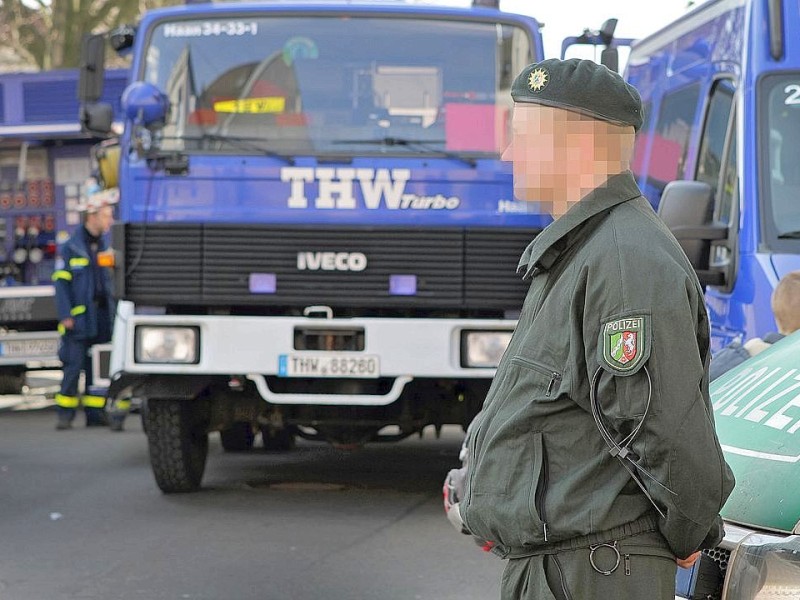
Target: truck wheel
(178, 445)
(11, 383)
(278, 440)
(239, 437)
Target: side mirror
(607, 30)
(610, 58)
(92, 71)
(122, 38)
(97, 117)
(686, 207)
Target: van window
(715, 129)
(779, 120)
(670, 139)
(730, 182)
(640, 145)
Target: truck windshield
(780, 131)
(337, 84)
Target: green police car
(757, 414)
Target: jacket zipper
(472, 447)
(555, 376)
(541, 491)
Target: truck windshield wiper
(243, 143)
(420, 144)
(790, 235)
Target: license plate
(35, 348)
(336, 364)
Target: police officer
(594, 463)
(85, 308)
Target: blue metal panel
(52, 98)
(2, 104)
(50, 101)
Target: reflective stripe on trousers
(90, 401)
(65, 401)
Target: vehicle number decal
(793, 91)
(210, 29)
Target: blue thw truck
(316, 234)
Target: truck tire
(178, 445)
(278, 440)
(11, 383)
(239, 437)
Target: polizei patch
(625, 344)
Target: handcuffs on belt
(595, 547)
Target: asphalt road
(81, 518)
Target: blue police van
(721, 94)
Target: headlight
(167, 345)
(483, 348)
(764, 567)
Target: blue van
(721, 94)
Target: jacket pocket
(509, 494)
(546, 385)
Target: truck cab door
(703, 214)
(717, 166)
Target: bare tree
(47, 34)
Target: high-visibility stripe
(77, 310)
(94, 401)
(66, 401)
(122, 405)
(65, 275)
(79, 262)
(61, 329)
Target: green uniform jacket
(611, 289)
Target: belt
(641, 525)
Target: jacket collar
(545, 249)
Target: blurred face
(559, 156)
(100, 222)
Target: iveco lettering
(331, 261)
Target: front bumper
(757, 565)
(254, 347)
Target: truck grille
(212, 265)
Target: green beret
(581, 86)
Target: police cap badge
(580, 86)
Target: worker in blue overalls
(85, 306)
